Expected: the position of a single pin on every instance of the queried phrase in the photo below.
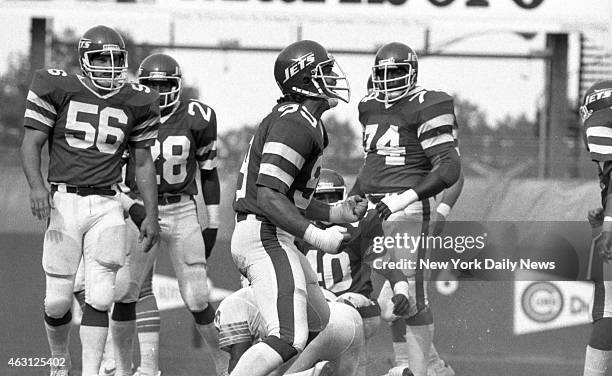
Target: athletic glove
(210, 237)
(137, 214)
(401, 304)
(394, 203)
(327, 240)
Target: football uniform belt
(84, 191)
(244, 216)
(172, 199)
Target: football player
(347, 274)
(241, 325)
(410, 158)
(186, 143)
(273, 204)
(596, 114)
(88, 122)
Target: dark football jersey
(348, 270)
(187, 139)
(285, 154)
(400, 140)
(88, 132)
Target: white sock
(149, 353)
(59, 339)
(596, 362)
(401, 350)
(259, 360)
(122, 333)
(93, 339)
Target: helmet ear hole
(306, 80)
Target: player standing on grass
(273, 205)
(87, 122)
(596, 114)
(410, 157)
(187, 141)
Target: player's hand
(149, 233)
(401, 304)
(41, 202)
(438, 223)
(596, 217)
(350, 210)
(605, 246)
(210, 238)
(137, 214)
(383, 210)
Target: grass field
(473, 325)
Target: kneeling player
(240, 326)
(346, 274)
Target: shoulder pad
(140, 95)
(199, 110)
(430, 97)
(52, 79)
(295, 113)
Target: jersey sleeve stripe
(599, 131)
(285, 151)
(38, 118)
(209, 164)
(438, 121)
(601, 151)
(35, 99)
(142, 127)
(276, 172)
(144, 134)
(433, 141)
(205, 149)
(445, 129)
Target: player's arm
(211, 191)
(140, 140)
(39, 120)
(206, 155)
(31, 147)
(144, 173)
(448, 200)
(436, 139)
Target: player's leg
(599, 349)
(341, 342)
(270, 261)
(413, 221)
(437, 366)
(188, 256)
(127, 287)
(61, 256)
(317, 306)
(104, 249)
(148, 326)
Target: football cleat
(108, 367)
(140, 373)
(323, 368)
(400, 371)
(63, 370)
(440, 368)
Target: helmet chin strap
(333, 102)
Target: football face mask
(393, 81)
(106, 68)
